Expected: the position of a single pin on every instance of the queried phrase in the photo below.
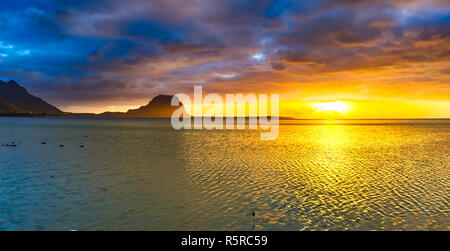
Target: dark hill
(16, 99)
(158, 107)
(8, 108)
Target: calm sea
(140, 174)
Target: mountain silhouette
(158, 107)
(8, 108)
(14, 99)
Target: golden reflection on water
(326, 176)
(143, 175)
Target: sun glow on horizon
(335, 106)
(325, 108)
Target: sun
(335, 106)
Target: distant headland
(16, 101)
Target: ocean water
(140, 174)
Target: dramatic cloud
(82, 53)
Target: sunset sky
(372, 59)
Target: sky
(383, 59)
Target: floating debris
(10, 145)
(253, 214)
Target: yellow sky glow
(336, 109)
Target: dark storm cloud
(101, 49)
(370, 36)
